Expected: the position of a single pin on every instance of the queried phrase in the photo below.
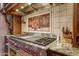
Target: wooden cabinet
(16, 25)
(76, 26)
(12, 52)
(54, 53)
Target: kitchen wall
(61, 16)
(3, 31)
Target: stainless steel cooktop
(45, 41)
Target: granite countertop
(70, 51)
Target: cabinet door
(16, 24)
(54, 53)
(12, 52)
(77, 20)
(76, 26)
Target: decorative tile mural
(39, 23)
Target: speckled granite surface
(70, 51)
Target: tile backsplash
(61, 16)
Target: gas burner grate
(44, 41)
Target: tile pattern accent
(61, 16)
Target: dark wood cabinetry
(76, 26)
(54, 53)
(12, 52)
(16, 24)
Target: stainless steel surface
(38, 38)
(45, 41)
